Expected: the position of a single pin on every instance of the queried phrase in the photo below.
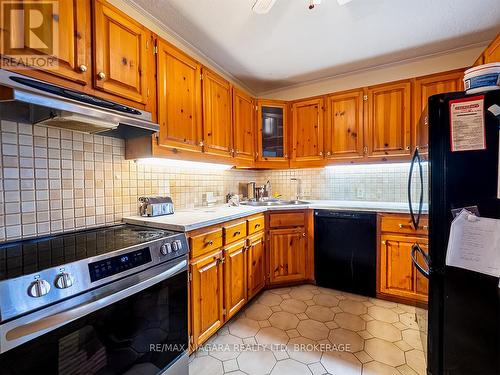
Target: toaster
(156, 206)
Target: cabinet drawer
(288, 219)
(256, 224)
(203, 243)
(402, 224)
(235, 232)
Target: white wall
(393, 72)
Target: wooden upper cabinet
(235, 278)
(217, 137)
(388, 121)
(243, 127)
(492, 53)
(344, 125)
(424, 88)
(307, 130)
(179, 99)
(272, 137)
(122, 48)
(287, 255)
(73, 52)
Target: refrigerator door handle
(415, 219)
(417, 249)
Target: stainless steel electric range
(111, 300)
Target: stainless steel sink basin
(274, 203)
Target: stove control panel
(118, 264)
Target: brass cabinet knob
(101, 75)
(83, 68)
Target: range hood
(27, 100)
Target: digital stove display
(112, 266)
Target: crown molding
(373, 68)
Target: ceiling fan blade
(343, 2)
(263, 6)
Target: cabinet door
(179, 99)
(206, 297)
(287, 255)
(307, 130)
(217, 136)
(424, 88)
(121, 49)
(272, 139)
(72, 52)
(344, 126)
(243, 127)
(235, 278)
(388, 121)
(492, 53)
(398, 276)
(256, 265)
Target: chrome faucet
(298, 187)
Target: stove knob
(179, 244)
(166, 248)
(63, 281)
(38, 288)
(163, 249)
(174, 246)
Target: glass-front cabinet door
(272, 132)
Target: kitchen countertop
(194, 218)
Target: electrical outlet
(360, 192)
(306, 193)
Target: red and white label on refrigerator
(467, 124)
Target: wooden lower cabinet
(287, 255)
(256, 264)
(206, 289)
(235, 278)
(223, 277)
(398, 275)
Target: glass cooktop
(28, 256)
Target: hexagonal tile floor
(311, 330)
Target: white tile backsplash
(57, 180)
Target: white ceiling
(292, 45)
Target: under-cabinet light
(364, 167)
(183, 164)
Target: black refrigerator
(464, 306)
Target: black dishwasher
(345, 251)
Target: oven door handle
(37, 327)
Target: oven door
(136, 325)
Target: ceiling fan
(264, 6)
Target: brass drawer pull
(257, 225)
(209, 243)
(236, 233)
